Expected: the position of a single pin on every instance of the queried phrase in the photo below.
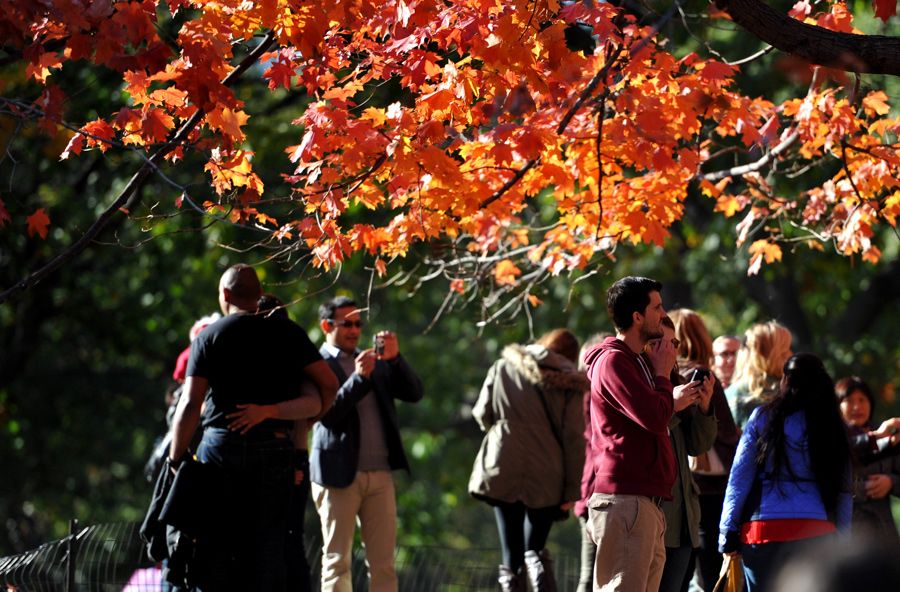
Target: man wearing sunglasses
(355, 447)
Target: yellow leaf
(728, 205)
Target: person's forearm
(302, 407)
(184, 424)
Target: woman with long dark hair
(790, 482)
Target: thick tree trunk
(874, 54)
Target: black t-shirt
(250, 359)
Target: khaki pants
(631, 552)
(369, 501)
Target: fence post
(71, 552)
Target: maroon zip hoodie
(630, 447)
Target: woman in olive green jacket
(530, 461)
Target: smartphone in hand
(699, 374)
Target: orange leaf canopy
(497, 121)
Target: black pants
(709, 560)
(522, 529)
(298, 572)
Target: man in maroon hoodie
(634, 466)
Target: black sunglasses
(346, 324)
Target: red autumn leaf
(38, 223)
(75, 145)
(713, 70)
(885, 9)
(4, 214)
(155, 125)
(280, 73)
(98, 133)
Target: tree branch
(766, 158)
(874, 54)
(127, 195)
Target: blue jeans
(762, 562)
(246, 551)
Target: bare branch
(756, 165)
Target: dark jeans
(246, 551)
(298, 572)
(762, 562)
(709, 560)
(677, 572)
(522, 529)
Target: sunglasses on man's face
(346, 324)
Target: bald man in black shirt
(244, 359)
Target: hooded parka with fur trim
(520, 459)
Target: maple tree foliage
(498, 116)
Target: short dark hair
(272, 305)
(627, 296)
(845, 387)
(327, 310)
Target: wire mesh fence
(111, 557)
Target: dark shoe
(539, 567)
(510, 581)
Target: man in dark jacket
(634, 465)
(355, 447)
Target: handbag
(731, 577)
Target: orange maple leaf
(228, 122)
(875, 103)
(760, 250)
(38, 223)
(506, 273)
(39, 69)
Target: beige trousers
(631, 552)
(370, 502)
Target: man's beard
(647, 335)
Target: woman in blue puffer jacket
(790, 482)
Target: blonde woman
(767, 346)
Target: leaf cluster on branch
(529, 154)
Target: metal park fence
(111, 558)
